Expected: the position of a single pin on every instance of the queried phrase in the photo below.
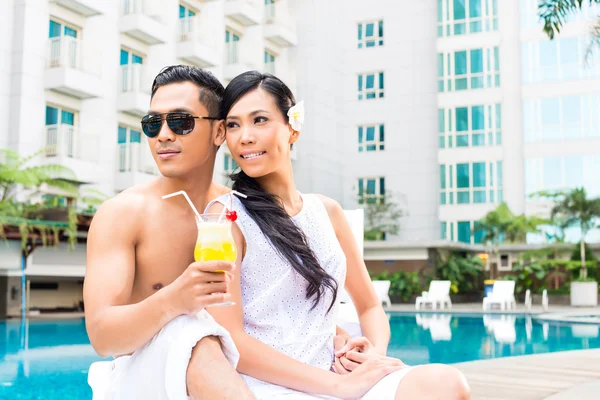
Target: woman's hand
(342, 345)
(370, 370)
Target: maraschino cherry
(231, 215)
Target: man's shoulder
(127, 205)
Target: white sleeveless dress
(276, 310)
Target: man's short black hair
(211, 90)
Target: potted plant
(582, 212)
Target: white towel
(158, 370)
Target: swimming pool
(49, 359)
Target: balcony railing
(270, 12)
(135, 157)
(133, 7)
(232, 52)
(270, 67)
(64, 51)
(133, 79)
(186, 28)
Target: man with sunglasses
(142, 289)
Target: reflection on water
(44, 360)
(446, 338)
(49, 360)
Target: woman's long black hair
(267, 209)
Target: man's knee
(207, 351)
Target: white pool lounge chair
(503, 294)
(437, 324)
(439, 293)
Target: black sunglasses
(179, 123)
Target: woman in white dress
(295, 251)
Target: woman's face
(258, 134)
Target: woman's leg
(433, 382)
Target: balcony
(233, 61)
(135, 165)
(279, 26)
(139, 22)
(65, 73)
(245, 12)
(134, 90)
(67, 146)
(196, 47)
(87, 8)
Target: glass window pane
(381, 133)
(135, 59)
(67, 118)
(70, 32)
(361, 188)
(370, 81)
(381, 29)
(460, 63)
(550, 119)
(369, 30)
(479, 174)
(359, 31)
(370, 186)
(478, 234)
(497, 61)
(459, 9)
(464, 231)
(462, 119)
(381, 80)
(135, 136)
(552, 173)
(122, 135)
(181, 11)
(440, 64)
(51, 115)
(479, 139)
(462, 140)
(574, 175)
(360, 82)
(477, 118)
(381, 186)
(441, 121)
(370, 133)
(479, 196)
(443, 230)
(474, 8)
(442, 176)
(499, 173)
(462, 176)
(476, 61)
(124, 57)
(360, 134)
(55, 29)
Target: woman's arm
(258, 359)
(373, 321)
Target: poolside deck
(554, 376)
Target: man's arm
(114, 327)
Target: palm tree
(15, 171)
(578, 210)
(554, 13)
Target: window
(60, 132)
(186, 22)
(505, 264)
(459, 17)
(558, 60)
(469, 69)
(563, 173)
(64, 47)
(129, 57)
(59, 29)
(530, 19)
(472, 126)
(370, 34)
(371, 190)
(556, 119)
(269, 62)
(371, 138)
(466, 231)
(128, 152)
(370, 86)
(185, 12)
(229, 164)
(476, 183)
(231, 41)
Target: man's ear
(219, 132)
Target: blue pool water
(49, 360)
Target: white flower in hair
(296, 116)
